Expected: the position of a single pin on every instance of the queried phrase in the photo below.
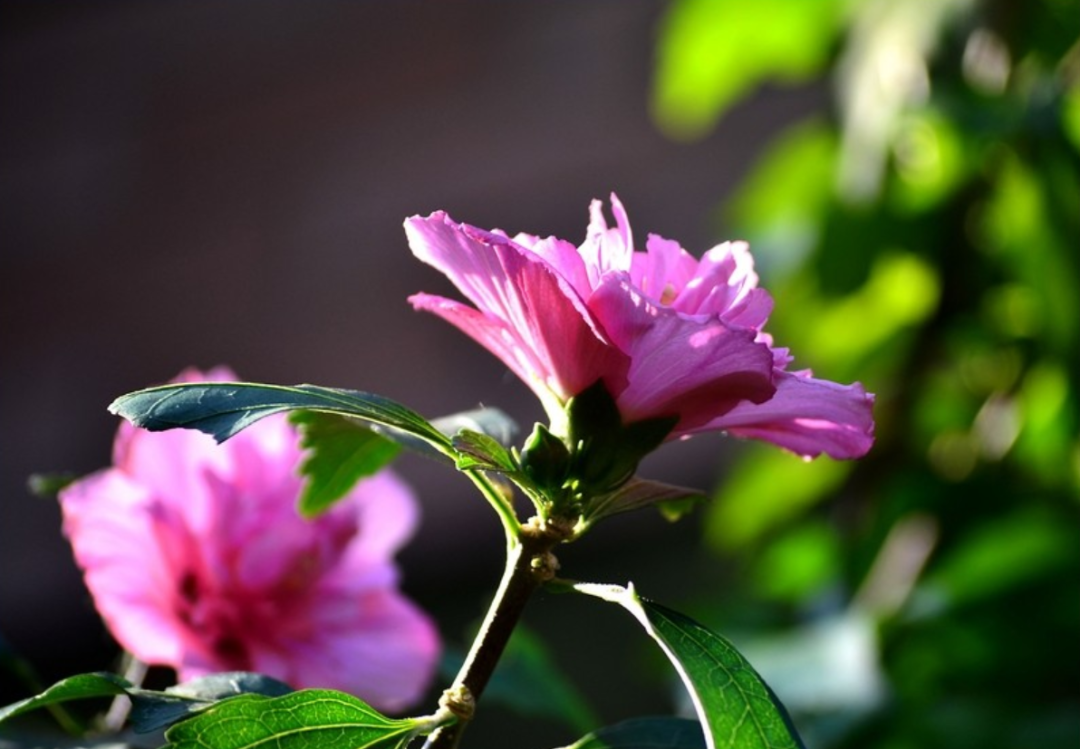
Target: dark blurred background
(201, 183)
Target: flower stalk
(529, 564)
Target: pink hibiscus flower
(668, 334)
(197, 559)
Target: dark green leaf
(309, 718)
(476, 450)
(151, 711)
(81, 687)
(341, 451)
(224, 409)
(736, 708)
(638, 493)
(645, 733)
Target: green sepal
(340, 452)
(605, 451)
(545, 460)
(736, 708)
(672, 501)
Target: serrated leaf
(80, 687)
(736, 708)
(476, 450)
(340, 452)
(638, 493)
(152, 711)
(222, 409)
(301, 720)
(645, 733)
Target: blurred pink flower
(669, 335)
(197, 559)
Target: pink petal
(808, 417)
(107, 518)
(696, 368)
(535, 321)
(380, 647)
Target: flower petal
(807, 416)
(693, 367)
(529, 316)
(108, 519)
(380, 647)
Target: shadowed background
(206, 183)
(201, 183)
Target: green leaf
(489, 421)
(152, 711)
(711, 53)
(309, 718)
(476, 450)
(81, 687)
(638, 493)
(223, 409)
(341, 451)
(645, 733)
(736, 708)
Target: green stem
(529, 564)
(501, 503)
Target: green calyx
(584, 474)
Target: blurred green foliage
(922, 236)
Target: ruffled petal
(531, 317)
(808, 417)
(695, 368)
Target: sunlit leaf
(766, 489)
(736, 708)
(301, 720)
(713, 52)
(994, 558)
(476, 450)
(779, 208)
(80, 687)
(152, 711)
(645, 733)
(339, 452)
